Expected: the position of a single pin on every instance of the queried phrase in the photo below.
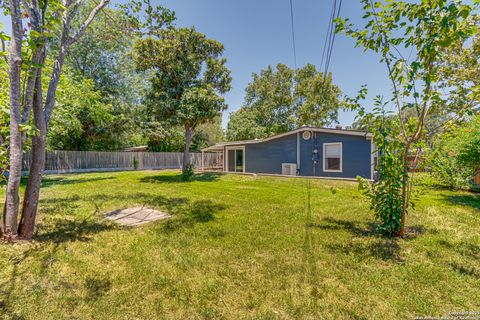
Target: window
(332, 157)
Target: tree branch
(89, 20)
(65, 42)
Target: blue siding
(356, 155)
(267, 157)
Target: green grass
(238, 247)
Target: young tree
(281, 99)
(189, 81)
(428, 29)
(42, 20)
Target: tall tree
(190, 78)
(429, 29)
(278, 100)
(42, 20)
(4, 114)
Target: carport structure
(212, 158)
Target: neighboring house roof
(219, 146)
(136, 149)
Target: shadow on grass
(202, 177)
(197, 212)
(52, 181)
(185, 214)
(370, 244)
(56, 229)
(49, 181)
(352, 227)
(310, 272)
(470, 200)
(66, 230)
(466, 270)
(96, 287)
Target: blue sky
(257, 33)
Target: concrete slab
(136, 216)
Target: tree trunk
(10, 217)
(401, 231)
(32, 192)
(186, 149)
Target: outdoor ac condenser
(289, 169)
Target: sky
(257, 33)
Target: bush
(386, 193)
(135, 163)
(188, 172)
(456, 155)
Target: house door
(235, 160)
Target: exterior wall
(356, 155)
(268, 156)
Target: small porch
(229, 158)
(213, 158)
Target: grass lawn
(238, 247)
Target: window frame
(324, 156)
(234, 148)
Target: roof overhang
(220, 146)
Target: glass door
(235, 160)
(238, 160)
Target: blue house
(306, 151)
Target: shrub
(135, 163)
(188, 172)
(385, 194)
(456, 156)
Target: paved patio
(136, 216)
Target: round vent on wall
(306, 135)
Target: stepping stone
(136, 216)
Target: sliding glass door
(235, 160)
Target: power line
(327, 35)
(293, 35)
(331, 42)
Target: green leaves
(281, 99)
(190, 76)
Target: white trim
(325, 130)
(227, 148)
(341, 156)
(372, 158)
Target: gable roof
(219, 146)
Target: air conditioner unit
(289, 169)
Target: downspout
(298, 153)
(314, 154)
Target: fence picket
(58, 161)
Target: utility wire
(327, 36)
(293, 35)
(335, 15)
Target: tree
(83, 120)
(429, 29)
(244, 125)
(4, 114)
(281, 99)
(43, 20)
(455, 156)
(189, 81)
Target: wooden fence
(86, 161)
